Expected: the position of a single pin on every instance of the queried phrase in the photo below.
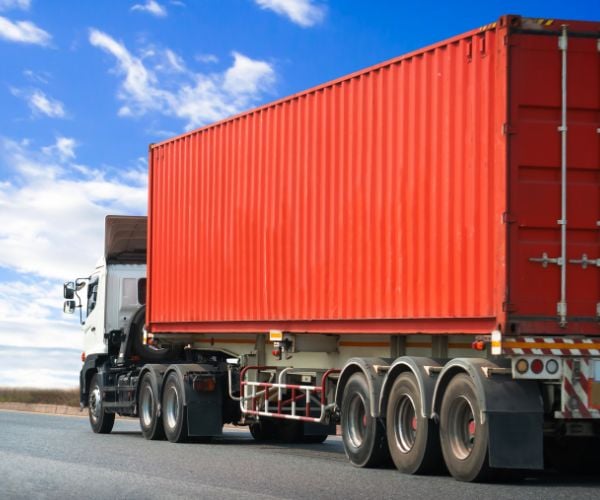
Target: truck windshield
(92, 294)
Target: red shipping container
(405, 198)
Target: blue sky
(86, 86)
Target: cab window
(92, 294)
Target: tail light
(204, 383)
(536, 367)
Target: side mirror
(69, 306)
(69, 290)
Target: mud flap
(516, 440)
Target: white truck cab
(116, 289)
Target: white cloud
(206, 58)
(64, 149)
(15, 4)
(139, 86)
(303, 12)
(52, 209)
(198, 98)
(23, 32)
(36, 76)
(152, 7)
(52, 212)
(48, 367)
(40, 103)
(246, 75)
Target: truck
(410, 252)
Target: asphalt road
(49, 456)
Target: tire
(315, 439)
(101, 421)
(363, 436)
(150, 423)
(464, 439)
(413, 439)
(174, 414)
(263, 430)
(289, 431)
(147, 353)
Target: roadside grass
(67, 397)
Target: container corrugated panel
(373, 203)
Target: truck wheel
(263, 430)
(173, 410)
(413, 439)
(101, 421)
(151, 424)
(363, 436)
(463, 437)
(289, 431)
(315, 438)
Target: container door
(542, 297)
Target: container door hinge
(507, 218)
(508, 129)
(508, 307)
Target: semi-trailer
(411, 251)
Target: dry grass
(68, 397)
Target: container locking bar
(545, 260)
(562, 305)
(585, 262)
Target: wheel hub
(357, 421)
(462, 428)
(406, 422)
(147, 406)
(172, 407)
(95, 402)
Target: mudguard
(513, 410)
(373, 376)
(425, 380)
(204, 409)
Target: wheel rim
(172, 407)
(95, 403)
(357, 421)
(462, 428)
(147, 410)
(405, 425)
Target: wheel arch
(92, 365)
(369, 368)
(426, 378)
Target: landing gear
(363, 435)
(101, 421)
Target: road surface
(50, 456)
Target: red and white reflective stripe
(551, 346)
(576, 389)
